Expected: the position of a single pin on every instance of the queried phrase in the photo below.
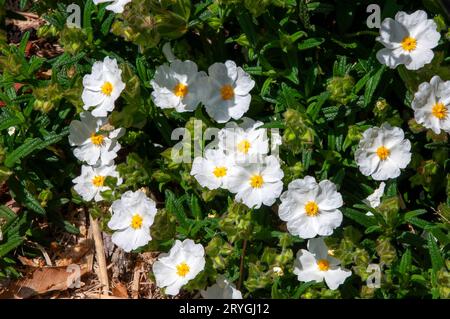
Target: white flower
(222, 289)
(133, 215)
(11, 131)
(431, 105)
(91, 182)
(227, 91)
(94, 145)
(316, 265)
(102, 87)
(257, 183)
(311, 208)
(212, 171)
(116, 6)
(408, 40)
(184, 262)
(382, 152)
(178, 86)
(374, 199)
(245, 142)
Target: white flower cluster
(95, 142)
(225, 90)
(241, 165)
(409, 39)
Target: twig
(100, 254)
(136, 283)
(241, 267)
(27, 14)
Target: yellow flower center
(107, 88)
(220, 171)
(227, 92)
(383, 153)
(97, 139)
(181, 90)
(98, 181)
(256, 181)
(244, 146)
(323, 265)
(440, 111)
(136, 221)
(311, 208)
(183, 269)
(409, 44)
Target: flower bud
(340, 88)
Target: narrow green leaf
(22, 151)
(405, 262)
(359, 217)
(310, 43)
(11, 244)
(437, 261)
(372, 85)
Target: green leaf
(11, 244)
(87, 16)
(106, 25)
(22, 151)
(19, 226)
(405, 262)
(24, 42)
(302, 288)
(372, 85)
(245, 21)
(175, 207)
(195, 208)
(314, 109)
(437, 261)
(21, 194)
(358, 217)
(8, 216)
(310, 43)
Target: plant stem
(241, 267)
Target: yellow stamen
(323, 264)
(440, 111)
(311, 208)
(244, 146)
(220, 171)
(256, 181)
(227, 92)
(409, 44)
(183, 269)
(181, 90)
(136, 221)
(107, 88)
(98, 181)
(97, 139)
(383, 153)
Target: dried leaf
(43, 280)
(120, 290)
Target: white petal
(335, 277)
(419, 58)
